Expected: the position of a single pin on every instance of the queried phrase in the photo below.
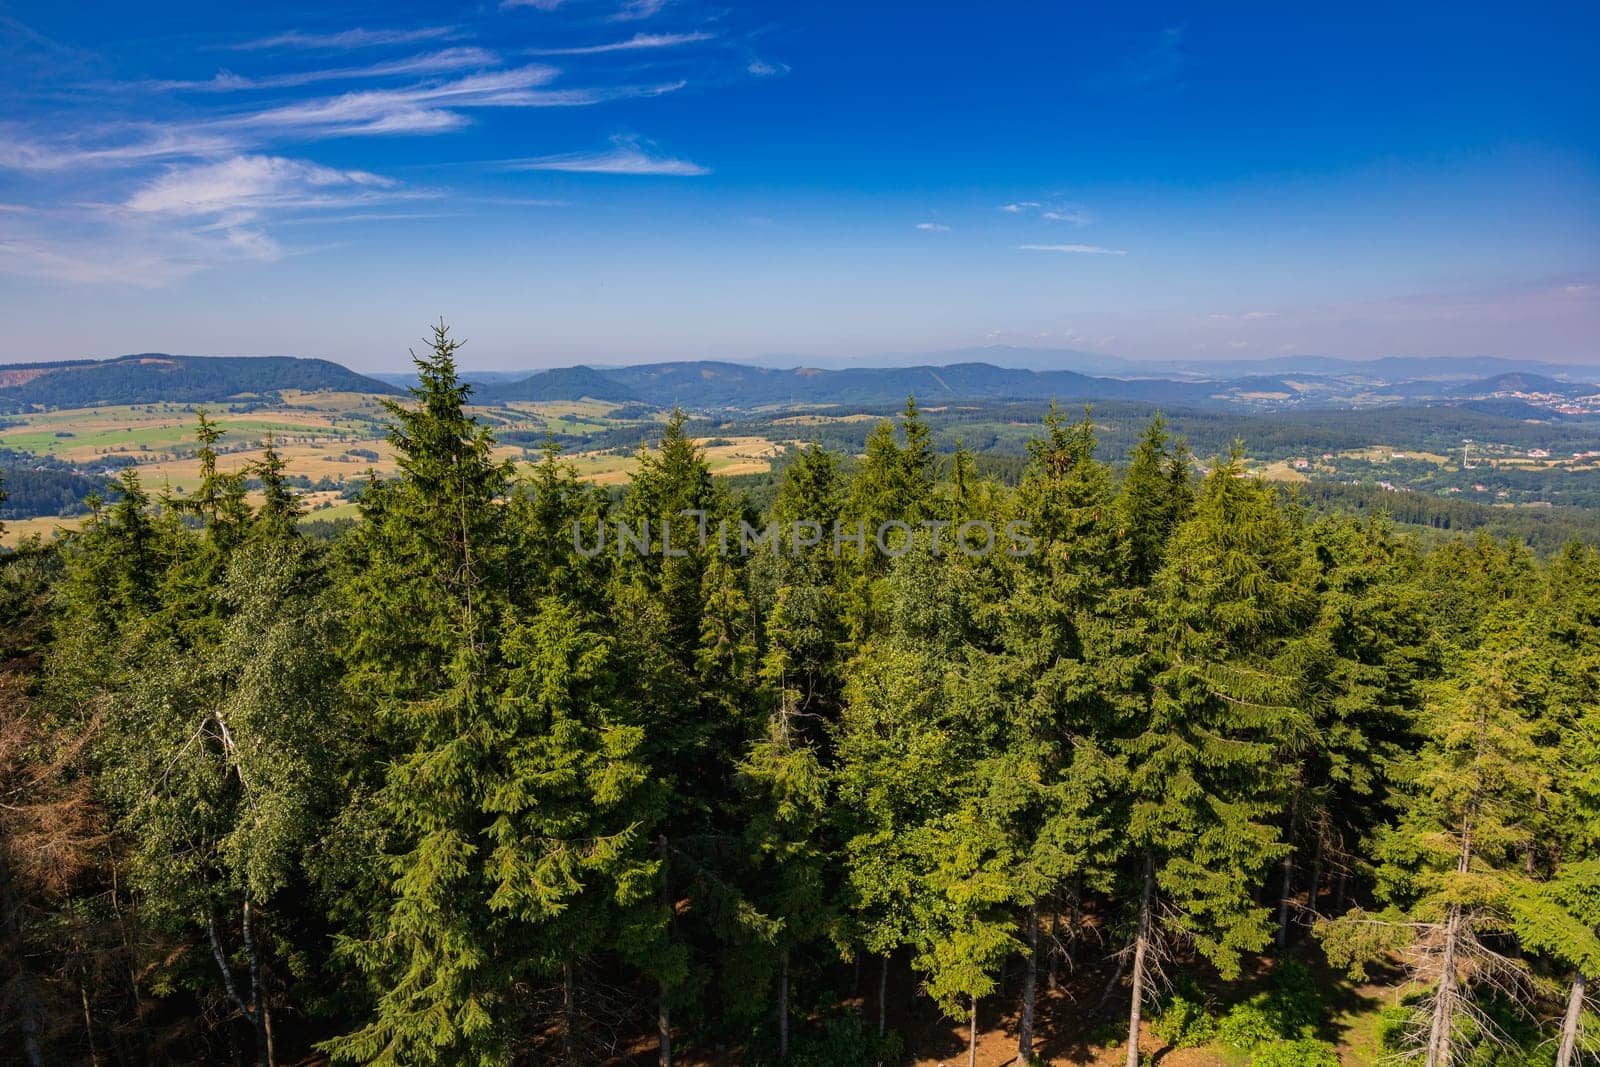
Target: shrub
(1391, 1029)
(844, 1042)
(1296, 997)
(1307, 1052)
(1184, 1023)
(1288, 1012)
(1250, 1024)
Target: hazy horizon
(1012, 357)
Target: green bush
(1296, 998)
(1184, 1023)
(1288, 1012)
(1255, 1022)
(1307, 1052)
(1391, 1028)
(844, 1042)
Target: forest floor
(1074, 1029)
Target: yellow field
(1281, 471)
(315, 435)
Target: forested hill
(155, 377)
(563, 383)
(704, 385)
(710, 384)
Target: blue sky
(630, 180)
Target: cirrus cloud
(624, 157)
(1088, 250)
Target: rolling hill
(564, 383)
(156, 377)
(707, 384)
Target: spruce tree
(425, 593)
(1050, 691)
(1453, 867)
(1206, 782)
(687, 636)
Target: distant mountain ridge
(154, 377)
(712, 384)
(716, 384)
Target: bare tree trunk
(1447, 994)
(664, 1026)
(972, 1036)
(1315, 892)
(883, 994)
(1054, 949)
(663, 1011)
(1568, 1056)
(1030, 983)
(1116, 979)
(272, 1043)
(88, 1022)
(569, 1015)
(233, 991)
(1141, 946)
(1288, 879)
(783, 1005)
(1444, 997)
(1075, 919)
(263, 1057)
(1338, 890)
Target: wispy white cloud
(130, 250)
(629, 11)
(1077, 218)
(149, 144)
(933, 227)
(632, 10)
(1075, 214)
(1090, 250)
(194, 217)
(431, 108)
(151, 201)
(245, 186)
(765, 68)
(638, 42)
(441, 62)
(427, 108)
(625, 157)
(353, 38)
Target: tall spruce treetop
(1155, 498)
(1207, 779)
(427, 562)
(1053, 677)
(425, 589)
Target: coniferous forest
(454, 788)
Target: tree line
(451, 791)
